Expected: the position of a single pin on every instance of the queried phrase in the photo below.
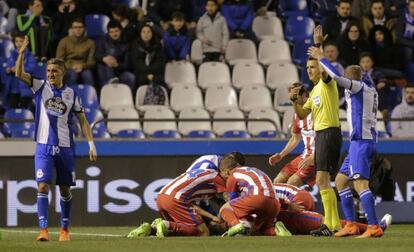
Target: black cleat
(322, 231)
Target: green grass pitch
(396, 238)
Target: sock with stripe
(368, 204)
(65, 205)
(326, 207)
(42, 209)
(347, 203)
(229, 217)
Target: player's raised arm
(87, 132)
(20, 73)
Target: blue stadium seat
(382, 134)
(96, 25)
(299, 28)
(129, 3)
(6, 47)
(236, 134)
(40, 71)
(290, 8)
(100, 132)
(130, 133)
(201, 134)
(165, 134)
(10, 127)
(27, 133)
(88, 96)
(300, 49)
(320, 9)
(268, 134)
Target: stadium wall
(121, 188)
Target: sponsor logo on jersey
(55, 106)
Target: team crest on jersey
(39, 173)
(317, 101)
(55, 106)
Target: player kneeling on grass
(251, 194)
(176, 200)
(56, 104)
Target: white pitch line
(80, 234)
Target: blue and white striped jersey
(55, 108)
(207, 162)
(362, 103)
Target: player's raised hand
(275, 158)
(315, 53)
(318, 35)
(24, 45)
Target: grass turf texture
(396, 238)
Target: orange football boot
(43, 235)
(372, 231)
(64, 234)
(349, 229)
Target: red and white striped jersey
(194, 185)
(305, 128)
(286, 192)
(250, 181)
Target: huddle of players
(252, 202)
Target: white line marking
(80, 234)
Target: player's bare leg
(282, 177)
(295, 180)
(65, 204)
(43, 207)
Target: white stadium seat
(254, 96)
(213, 73)
(281, 100)
(228, 113)
(196, 54)
(186, 97)
(255, 128)
(220, 97)
(122, 112)
(248, 74)
(287, 120)
(180, 73)
(241, 50)
(274, 51)
(281, 74)
(193, 113)
(111, 95)
(267, 27)
(159, 113)
(140, 96)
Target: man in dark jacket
(177, 42)
(405, 32)
(336, 24)
(112, 57)
(68, 10)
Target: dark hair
(178, 15)
(113, 24)
(31, 2)
(376, 1)
(232, 160)
(57, 61)
(344, 1)
(78, 20)
(124, 12)
(409, 85)
(348, 28)
(153, 41)
(17, 34)
(329, 43)
(366, 54)
(387, 35)
(214, 1)
(239, 157)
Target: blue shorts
(49, 158)
(357, 164)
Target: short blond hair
(355, 72)
(59, 62)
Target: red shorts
(300, 223)
(306, 200)
(171, 209)
(265, 208)
(307, 174)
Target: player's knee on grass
(323, 180)
(295, 180)
(203, 230)
(281, 178)
(341, 181)
(43, 187)
(361, 185)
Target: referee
(324, 105)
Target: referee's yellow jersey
(324, 103)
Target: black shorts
(328, 143)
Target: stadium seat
(228, 113)
(299, 28)
(1, 135)
(129, 3)
(201, 134)
(248, 74)
(220, 97)
(3, 24)
(101, 132)
(165, 134)
(264, 129)
(344, 123)
(96, 25)
(6, 47)
(159, 113)
(281, 75)
(213, 73)
(273, 50)
(111, 94)
(180, 73)
(287, 120)
(186, 97)
(300, 50)
(87, 94)
(282, 101)
(26, 133)
(196, 54)
(186, 128)
(140, 96)
(381, 129)
(122, 112)
(130, 133)
(236, 134)
(254, 96)
(292, 8)
(12, 127)
(241, 51)
(267, 27)
(93, 115)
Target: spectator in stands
(212, 31)
(360, 8)
(38, 27)
(20, 5)
(401, 111)
(19, 95)
(239, 16)
(147, 58)
(112, 57)
(144, 19)
(335, 24)
(405, 32)
(378, 17)
(351, 43)
(366, 62)
(161, 10)
(78, 52)
(128, 19)
(330, 50)
(68, 11)
(177, 41)
(10, 14)
(383, 49)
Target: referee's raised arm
(20, 73)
